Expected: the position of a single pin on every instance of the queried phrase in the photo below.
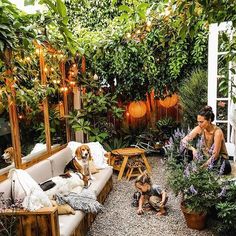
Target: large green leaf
(61, 8)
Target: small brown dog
(8, 155)
(80, 163)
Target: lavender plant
(198, 186)
(8, 222)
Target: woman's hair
(143, 179)
(207, 113)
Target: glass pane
(57, 119)
(223, 44)
(6, 150)
(222, 66)
(222, 87)
(32, 134)
(223, 126)
(222, 110)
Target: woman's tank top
(207, 144)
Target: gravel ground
(120, 219)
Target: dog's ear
(11, 152)
(90, 155)
(78, 153)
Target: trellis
(219, 69)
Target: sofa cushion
(101, 179)
(59, 161)
(40, 171)
(68, 223)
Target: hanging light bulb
(149, 23)
(95, 77)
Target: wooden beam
(65, 100)
(15, 133)
(45, 101)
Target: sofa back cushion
(40, 171)
(59, 161)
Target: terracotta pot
(194, 220)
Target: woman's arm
(189, 137)
(218, 138)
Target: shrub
(193, 96)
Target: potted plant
(199, 187)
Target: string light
(128, 35)
(74, 65)
(56, 81)
(45, 69)
(37, 51)
(64, 89)
(52, 69)
(72, 83)
(149, 23)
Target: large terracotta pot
(194, 220)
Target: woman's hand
(140, 211)
(208, 162)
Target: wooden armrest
(41, 211)
(30, 223)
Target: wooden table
(126, 153)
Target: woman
(213, 139)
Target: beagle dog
(8, 155)
(80, 163)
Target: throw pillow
(63, 209)
(25, 188)
(98, 154)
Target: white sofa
(79, 223)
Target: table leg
(122, 168)
(146, 163)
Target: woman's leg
(227, 169)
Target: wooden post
(15, 134)
(65, 100)
(45, 101)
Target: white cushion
(73, 146)
(59, 161)
(25, 188)
(38, 148)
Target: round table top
(131, 151)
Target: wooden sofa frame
(46, 222)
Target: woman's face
(202, 122)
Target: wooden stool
(134, 169)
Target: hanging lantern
(169, 101)
(137, 109)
